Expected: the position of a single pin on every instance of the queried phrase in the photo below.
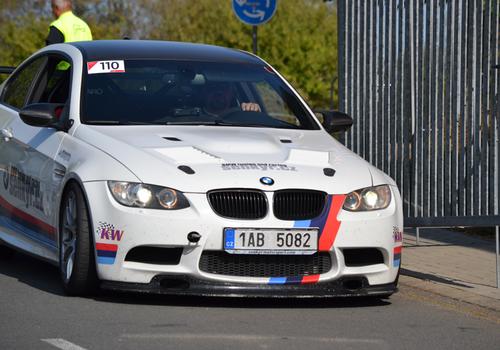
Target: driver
(219, 98)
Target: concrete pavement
(452, 264)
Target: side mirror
(41, 114)
(334, 121)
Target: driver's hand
(250, 107)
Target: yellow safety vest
(72, 27)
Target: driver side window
(54, 83)
(18, 86)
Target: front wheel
(76, 252)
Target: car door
(31, 177)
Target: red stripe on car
(332, 225)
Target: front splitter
(183, 285)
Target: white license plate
(299, 241)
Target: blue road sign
(254, 12)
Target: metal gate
(417, 77)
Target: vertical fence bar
(494, 171)
(386, 111)
(441, 128)
(399, 117)
(350, 81)
(391, 122)
(476, 109)
(419, 144)
(356, 115)
(462, 120)
(427, 110)
(341, 61)
(373, 87)
(362, 74)
(454, 43)
(380, 89)
(409, 97)
(484, 114)
(469, 101)
(447, 116)
(432, 110)
(497, 256)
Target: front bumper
(188, 286)
(127, 228)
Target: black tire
(75, 242)
(6, 253)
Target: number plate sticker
(296, 241)
(97, 67)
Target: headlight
(370, 198)
(147, 196)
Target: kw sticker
(397, 234)
(108, 232)
(99, 67)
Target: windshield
(190, 93)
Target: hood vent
(171, 138)
(186, 169)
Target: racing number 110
(109, 65)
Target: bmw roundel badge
(266, 181)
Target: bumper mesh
(222, 263)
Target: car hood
(230, 157)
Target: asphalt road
(34, 314)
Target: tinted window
(54, 82)
(192, 93)
(18, 86)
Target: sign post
(254, 13)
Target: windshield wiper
(115, 122)
(218, 123)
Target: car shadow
(32, 272)
(45, 277)
(435, 237)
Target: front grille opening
(155, 255)
(250, 265)
(298, 204)
(355, 257)
(239, 204)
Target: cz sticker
(98, 67)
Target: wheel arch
(74, 178)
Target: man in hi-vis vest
(67, 27)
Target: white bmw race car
(187, 169)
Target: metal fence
(417, 76)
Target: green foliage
(300, 40)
